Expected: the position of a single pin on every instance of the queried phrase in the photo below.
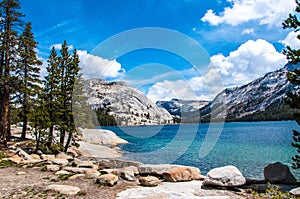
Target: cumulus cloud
(251, 60)
(291, 40)
(97, 67)
(267, 12)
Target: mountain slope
(261, 99)
(124, 104)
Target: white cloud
(248, 31)
(291, 40)
(167, 90)
(267, 12)
(251, 60)
(97, 67)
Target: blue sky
(241, 40)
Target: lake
(250, 146)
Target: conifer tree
(10, 22)
(51, 92)
(293, 56)
(28, 74)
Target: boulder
(159, 169)
(62, 172)
(228, 176)
(116, 163)
(35, 156)
(92, 173)
(107, 180)
(85, 164)
(60, 161)
(149, 181)
(178, 174)
(15, 159)
(76, 176)
(295, 191)
(128, 175)
(52, 168)
(64, 189)
(76, 170)
(279, 173)
(111, 171)
(48, 157)
(23, 154)
(62, 155)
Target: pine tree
(28, 74)
(51, 92)
(293, 56)
(10, 22)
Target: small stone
(110, 171)
(64, 189)
(62, 172)
(149, 181)
(128, 175)
(76, 176)
(107, 180)
(21, 173)
(52, 168)
(60, 161)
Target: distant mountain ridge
(261, 99)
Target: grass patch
(5, 163)
(64, 176)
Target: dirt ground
(33, 185)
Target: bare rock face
(149, 181)
(64, 189)
(60, 161)
(178, 174)
(15, 159)
(228, 176)
(107, 180)
(52, 168)
(116, 163)
(279, 173)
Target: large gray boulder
(228, 176)
(279, 173)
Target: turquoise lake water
(250, 146)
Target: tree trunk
(50, 136)
(68, 142)
(4, 119)
(24, 128)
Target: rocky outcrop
(117, 163)
(228, 176)
(126, 104)
(279, 173)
